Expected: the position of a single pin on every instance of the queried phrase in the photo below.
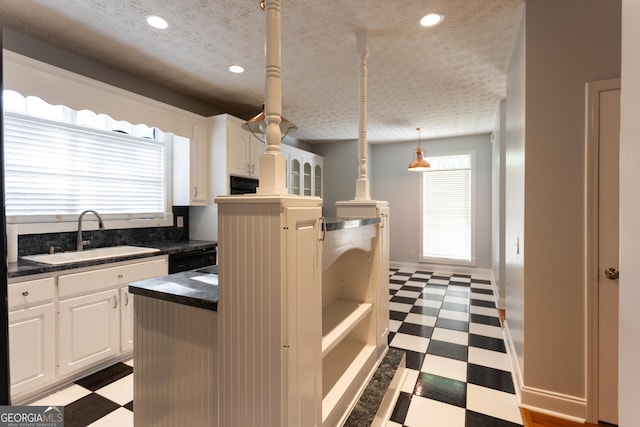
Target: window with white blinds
(54, 171)
(448, 211)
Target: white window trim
(446, 261)
(62, 223)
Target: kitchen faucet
(81, 243)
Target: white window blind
(447, 233)
(54, 171)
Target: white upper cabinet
(243, 150)
(233, 152)
(304, 171)
(317, 176)
(191, 168)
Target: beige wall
(629, 385)
(566, 45)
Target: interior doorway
(603, 141)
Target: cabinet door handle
(25, 294)
(115, 301)
(195, 191)
(120, 276)
(126, 298)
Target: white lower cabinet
(96, 314)
(31, 335)
(89, 330)
(126, 319)
(94, 322)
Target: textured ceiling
(448, 79)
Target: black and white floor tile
(103, 399)
(459, 371)
(448, 325)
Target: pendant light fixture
(419, 164)
(258, 125)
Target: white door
(608, 204)
(89, 330)
(126, 319)
(238, 146)
(31, 344)
(258, 150)
(199, 170)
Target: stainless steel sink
(89, 254)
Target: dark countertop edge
(178, 299)
(181, 288)
(28, 268)
(333, 224)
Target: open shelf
(341, 368)
(340, 318)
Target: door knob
(611, 273)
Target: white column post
(272, 162)
(362, 184)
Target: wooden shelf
(340, 318)
(341, 370)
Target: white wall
(498, 184)
(391, 182)
(514, 198)
(566, 45)
(629, 377)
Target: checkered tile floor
(104, 399)
(459, 371)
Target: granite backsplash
(29, 244)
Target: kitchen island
(175, 349)
(284, 347)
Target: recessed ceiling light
(157, 22)
(431, 20)
(237, 69)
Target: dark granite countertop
(195, 288)
(27, 268)
(333, 224)
(363, 414)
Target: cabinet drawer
(144, 270)
(109, 277)
(32, 292)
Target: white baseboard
(500, 301)
(480, 273)
(516, 374)
(558, 405)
